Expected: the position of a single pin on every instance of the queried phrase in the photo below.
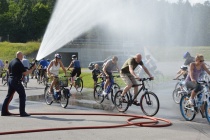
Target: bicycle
(180, 90)
(60, 96)
(111, 89)
(78, 84)
(149, 101)
(4, 79)
(202, 99)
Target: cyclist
(107, 70)
(183, 69)
(26, 65)
(129, 77)
(95, 73)
(75, 63)
(53, 71)
(43, 64)
(195, 70)
(150, 63)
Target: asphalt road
(198, 129)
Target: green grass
(87, 78)
(9, 50)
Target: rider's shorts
(128, 79)
(194, 86)
(76, 71)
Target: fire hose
(153, 122)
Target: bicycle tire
(149, 103)
(115, 88)
(207, 110)
(119, 104)
(97, 94)
(187, 113)
(80, 87)
(64, 101)
(47, 96)
(175, 95)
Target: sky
(191, 1)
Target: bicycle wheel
(176, 96)
(149, 103)
(47, 96)
(64, 100)
(79, 85)
(115, 88)
(120, 104)
(97, 94)
(187, 112)
(207, 110)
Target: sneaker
(104, 93)
(191, 102)
(123, 99)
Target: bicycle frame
(139, 91)
(108, 89)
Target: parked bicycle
(61, 95)
(111, 90)
(4, 79)
(202, 104)
(149, 101)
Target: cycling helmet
(58, 56)
(74, 56)
(186, 55)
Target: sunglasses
(201, 60)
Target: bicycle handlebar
(144, 79)
(117, 76)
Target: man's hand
(152, 78)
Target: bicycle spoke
(97, 94)
(48, 97)
(187, 112)
(120, 103)
(149, 104)
(64, 100)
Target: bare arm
(70, 65)
(191, 72)
(48, 68)
(206, 69)
(132, 72)
(146, 70)
(62, 66)
(29, 71)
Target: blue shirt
(44, 64)
(1, 64)
(26, 63)
(76, 64)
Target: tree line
(24, 20)
(171, 23)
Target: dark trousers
(14, 85)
